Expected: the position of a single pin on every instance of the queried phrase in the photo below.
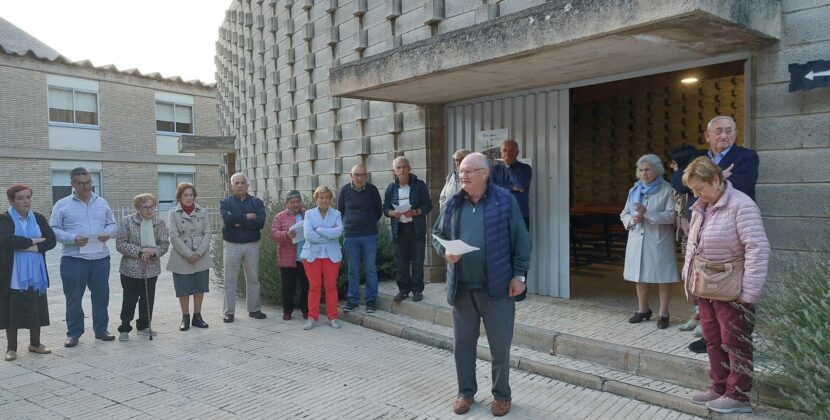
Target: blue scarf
(641, 190)
(29, 268)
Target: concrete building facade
(124, 126)
(310, 87)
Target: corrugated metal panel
(538, 121)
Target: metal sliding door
(538, 121)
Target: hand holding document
(93, 245)
(297, 228)
(402, 208)
(455, 247)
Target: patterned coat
(128, 243)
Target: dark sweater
(238, 229)
(361, 210)
(9, 242)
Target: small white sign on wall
(489, 142)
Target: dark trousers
(727, 328)
(134, 292)
(409, 256)
(470, 308)
(291, 278)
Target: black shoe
(417, 297)
(639, 317)
(105, 336)
(198, 322)
(256, 315)
(370, 307)
(71, 342)
(350, 306)
(698, 346)
(662, 322)
(185, 325)
(228, 318)
(400, 296)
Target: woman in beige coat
(190, 261)
(650, 255)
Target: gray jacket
(189, 234)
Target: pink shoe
(727, 405)
(705, 396)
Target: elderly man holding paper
(482, 283)
(287, 233)
(407, 203)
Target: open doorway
(611, 126)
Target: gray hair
(721, 117)
(461, 153)
(400, 159)
(292, 195)
(477, 160)
(652, 160)
(239, 175)
(357, 167)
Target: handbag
(722, 280)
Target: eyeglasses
(83, 184)
(147, 208)
(468, 173)
(359, 175)
(719, 131)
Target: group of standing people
(711, 201)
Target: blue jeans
(77, 274)
(362, 249)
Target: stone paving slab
(263, 369)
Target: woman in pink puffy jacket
(726, 224)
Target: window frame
(98, 188)
(175, 184)
(74, 122)
(175, 123)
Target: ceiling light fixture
(689, 80)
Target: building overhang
(556, 43)
(206, 144)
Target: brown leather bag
(718, 280)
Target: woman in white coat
(650, 255)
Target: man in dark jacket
(483, 284)
(360, 206)
(407, 203)
(244, 217)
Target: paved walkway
(262, 369)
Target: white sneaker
(124, 336)
(335, 324)
(310, 324)
(147, 332)
(698, 331)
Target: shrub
(269, 272)
(794, 326)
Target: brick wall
(32, 173)
(24, 111)
(792, 136)
(128, 118)
(123, 181)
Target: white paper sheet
(93, 246)
(455, 247)
(297, 228)
(402, 208)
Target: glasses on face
(147, 208)
(83, 184)
(359, 174)
(468, 173)
(719, 131)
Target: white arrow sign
(813, 74)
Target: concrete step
(581, 373)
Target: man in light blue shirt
(83, 222)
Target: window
(73, 106)
(174, 118)
(168, 182)
(61, 186)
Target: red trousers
(727, 328)
(322, 272)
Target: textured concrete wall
(792, 136)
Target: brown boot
(461, 406)
(500, 407)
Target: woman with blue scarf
(650, 255)
(25, 236)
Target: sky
(171, 37)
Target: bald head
(473, 173)
(359, 175)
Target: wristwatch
(521, 279)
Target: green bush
(269, 272)
(794, 326)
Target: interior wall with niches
(613, 124)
